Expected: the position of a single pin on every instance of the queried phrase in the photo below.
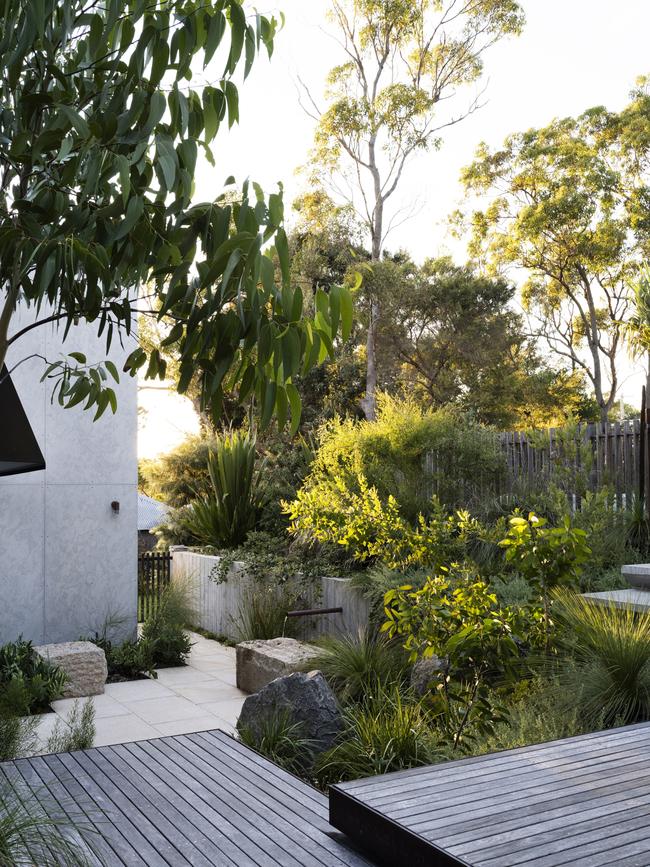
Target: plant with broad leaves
(547, 557)
(456, 618)
(100, 132)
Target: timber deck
(583, 801)
(200, 799)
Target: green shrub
(457, 618)
(163, 637)
(27, 679)
(385, 732)
(178, 476)
(225, 515)
(547, 557)
(281, 741)
(353, 664)
(605, 668)
(535, 715)
(390, 454)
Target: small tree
(547, 557)
(402, 60)
(99, 139)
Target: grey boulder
(305, 699)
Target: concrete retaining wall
(218, 606)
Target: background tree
(564, 206)
(99, 138)
(403, 58)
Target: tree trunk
(369, 400)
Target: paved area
(199, 696)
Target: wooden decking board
(469, 818)
(535, 784)
(181, 801)
(584, 802)
(253, 813)
(509, 762)
(226, 808)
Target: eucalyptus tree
(101, 125)
(403, 60)
(566, 204)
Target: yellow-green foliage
(389, 454)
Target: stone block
(260, 662)
(637, 575)
(82, 661)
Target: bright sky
(573, 54)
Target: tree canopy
(566, 203)
(100, 132)
(403, 60)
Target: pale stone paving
(199, 696)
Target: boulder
(425, 672)
(260, 662)
(305, 698)
(82, 661)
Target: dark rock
(425, 672)
(305, 698)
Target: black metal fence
(154, 574)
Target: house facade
(68, 534)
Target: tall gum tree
(403, 61)
(101, 124)
(568, 203)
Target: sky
(573, 54)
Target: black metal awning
(19, 450)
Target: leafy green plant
(29, 678)
(281, 741)
(458, 619)
(605, 669)
(354, 663)
(225, 516)
(77, 732)
(29, 835)
(547, 557)
(385, 732)
(163, 633)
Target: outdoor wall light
(115, 506)
(19, 450)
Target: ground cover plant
(28, 683)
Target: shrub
(353, 664)
(385, 732)
(390, 454)
(455, 617)
(225, 515)
(178, 476)
(163, 637)
(547, 557)
(26, 678)
(606, 670)
(18, 735)
(374, 530)
(281, 741)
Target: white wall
(67, 561)
(218, 606)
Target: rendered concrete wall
(218, 605)
(67, 561)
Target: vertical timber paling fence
(154, 574)
(613, 454)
